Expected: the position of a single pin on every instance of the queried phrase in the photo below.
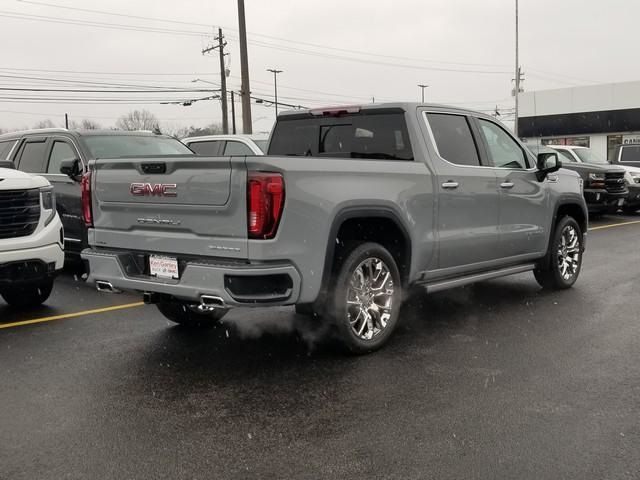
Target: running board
(439, 285)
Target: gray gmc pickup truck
(351, 208)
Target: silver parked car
(227, 145)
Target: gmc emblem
(154, 190)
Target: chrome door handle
(506, 185)
(450, 185)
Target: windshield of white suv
(115, 146)
(588, 156)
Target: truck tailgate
(182, 205)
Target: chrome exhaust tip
(106, 287)
(212, 302)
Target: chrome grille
(614, 182)
(19, 212)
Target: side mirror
(7, 164)
(70, 167)
(547, 163)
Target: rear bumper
(238, 284)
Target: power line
(252, 42)
(315, 45)
(89, 23)
(17, 89)
(68, 80)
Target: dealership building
(598, 116)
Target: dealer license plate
(163, 267)
(620, 202)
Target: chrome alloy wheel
(370, 298)
(569, 253)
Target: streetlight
(422, 86)
(275, 84)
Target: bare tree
(44, 124)
(212, 129)
(138, 120)
(174, 130)
(87, 124)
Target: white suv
(31, 238)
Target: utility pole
(517, 79)
(275, 85)
(233, 111)
(223, 77)
(422, 87)
(247, 126)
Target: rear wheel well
(572, 210)
(382, 230)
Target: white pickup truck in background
(31, 238)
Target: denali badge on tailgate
(156, 189)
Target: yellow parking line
(602, 227)
(71, 315)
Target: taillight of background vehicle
(265, 201)
(86, 199)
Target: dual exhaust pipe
(106, 287)
(207, 302)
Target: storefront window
(612, 142)
(574, 141)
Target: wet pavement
(496, 380)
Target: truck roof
(405, 106)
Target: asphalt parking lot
(497, 380)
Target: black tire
(630, 210)
(341, 314)
(28, 295)
(549, 273)
(187, 315)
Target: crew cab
(605, 188)
(31, 238)
(351, 208)
(62, 157)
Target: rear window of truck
(116, 146)
(380, 136)
(630, 153)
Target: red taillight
(265, 200)
(86, 199)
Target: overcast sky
(331, 52)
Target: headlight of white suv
(596, 176)
(48, 202)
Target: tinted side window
(367, 135)
(503, 150)
(32, 157)
(60, 151)
(454, 139)
(237, 148)
(210, 148)
(564, 155)
(5, 148)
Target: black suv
(605, 189)
(63, 156)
